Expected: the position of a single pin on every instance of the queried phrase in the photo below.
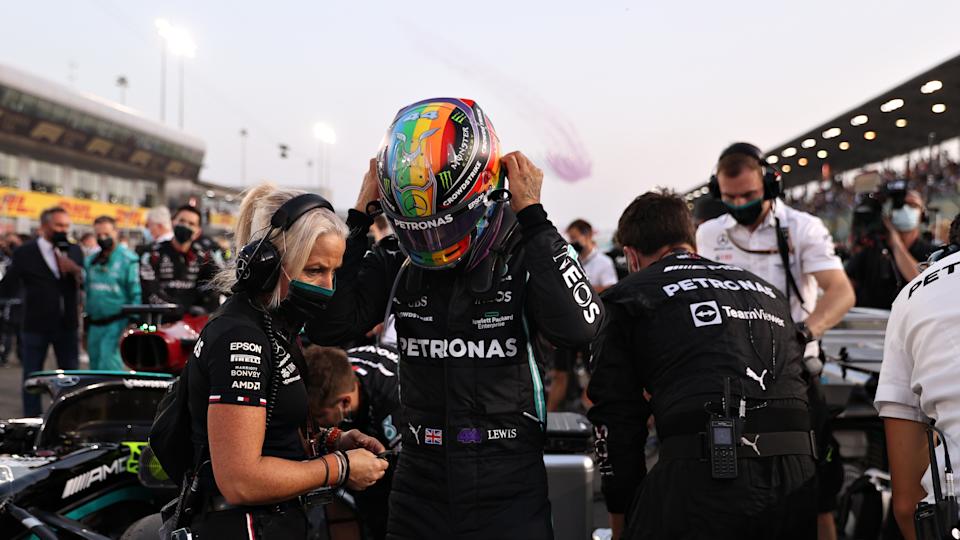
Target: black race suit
(677, 329)
(168, 276)
(377, 370)
(232, 364)
(472, 403)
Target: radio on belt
(722, 441)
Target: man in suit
(49, 271)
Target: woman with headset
(247, 398)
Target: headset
(258, 263)
(772, 187)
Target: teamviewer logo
(705, 314)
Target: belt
(750, 446)
(217, 503)
(107, 320)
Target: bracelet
(332, 438)
(326, 471)
(346, 475)
(344, 465)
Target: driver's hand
(370, 189)
(355, 439)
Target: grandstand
(903, 132)
(93, 157)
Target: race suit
(472, 403)
(112, 281)
(377, 371)
(677, 330)
(171, 277)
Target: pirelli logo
(458, 117)
(446, 179)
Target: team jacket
(677, 329)
(170, 277)
(111, 283)
(472, 401)
(377, 370)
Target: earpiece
(772, 187)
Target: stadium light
(822, 154)
(789, 152)
(324, 133)
(844, 145)
(831, 133)
(802, 162)
(901, 122)
(931, 87)
(858, 120)
(891, 105)
(772, 159)
(870, 135)
(808, 143)
(178, 39)
(786, 169)
(938, 108)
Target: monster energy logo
(446, 179)
(458, 117)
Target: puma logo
(415, 431)
(745, 442)
(759, 378)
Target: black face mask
(304, 302)
(182, 233)
(60, 241)
(746, 214)
(105, 243)
(577, 246)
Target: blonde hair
(253, 223)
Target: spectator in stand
(113, 279)
(49, 269)
(159, 228)
(883, 267)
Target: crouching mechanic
(358, 389)
(918, 385)
(483, 277)
(715, 347)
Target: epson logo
(423, 225)
(246, 346)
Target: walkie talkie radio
(722, 440)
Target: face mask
(304, 301)
(60, 240)
(577, 246)
(745, 214)
(182, 233)
(105, 243)
(147, 236)
(906, 218)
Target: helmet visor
(442, 230)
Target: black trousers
(772, 499)
(250, 525)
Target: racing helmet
(438, 166)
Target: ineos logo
(705, 314)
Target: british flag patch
(433, 436)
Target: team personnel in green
(113, 279)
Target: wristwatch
(803, 333)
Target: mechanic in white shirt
(598, 266)
(747, 237)
(920, 381)
(755, 234)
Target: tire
(147, 528)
